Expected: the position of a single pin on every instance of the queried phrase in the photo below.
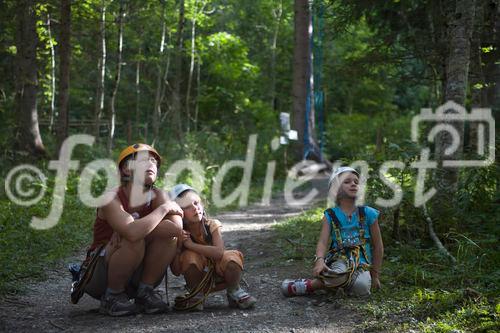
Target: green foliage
(420, 290)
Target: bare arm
(322, 248)
(173, 218)
(215, 251)
(377, 253)
(124, 224)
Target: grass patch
(421, 290)
(25, 252)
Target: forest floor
(45, 306)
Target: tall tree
(52, 74)
(28, 133)
(191, 64)
(277, 15)
(101, 70)
(457, 72)
(64, 71)
(159, 77)
(176, 102)
(300, 70)
(303, 83)
(119, 54)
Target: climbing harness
(343, 259)
(82, 274)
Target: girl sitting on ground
(354, 258)
(202, 258)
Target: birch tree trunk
(28, 133)
(64, 71)
(138, 92)
(112, 115)
(52, 75)
(198, 92)
(176, 102)
(157, 106)
(101, 70)
(191, 65)
(277, 14)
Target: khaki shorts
(188, 257)
(99, 281)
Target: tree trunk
(64, 71)
(457, 70)
(176, 102)
(52, 75)
(28, 133)
(112, 115)
(300, 71)
(159, 69)
(476, 76)
(277, 14)
(138, 93)
(191, 65)
(101, 70)
(198, 91)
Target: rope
(206, 286)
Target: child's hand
(185, 236)
(173, 208)
(376, 283)
(186, 239)
(319, 267)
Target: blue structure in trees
(314, 87)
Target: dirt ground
(45, 306)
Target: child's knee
(189, 259)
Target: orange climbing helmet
(130, 150)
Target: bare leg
(232, 275)
(123, 262)
(193, 276)
(161, 248)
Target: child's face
(349, 185)
(192, 207)
(144, 163)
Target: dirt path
(45, 307)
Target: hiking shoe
(297, 287)
(150, 301)
(240, 299)
(117, 305)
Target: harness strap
(336, 227)
(361, 214)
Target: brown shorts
(188, 257)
